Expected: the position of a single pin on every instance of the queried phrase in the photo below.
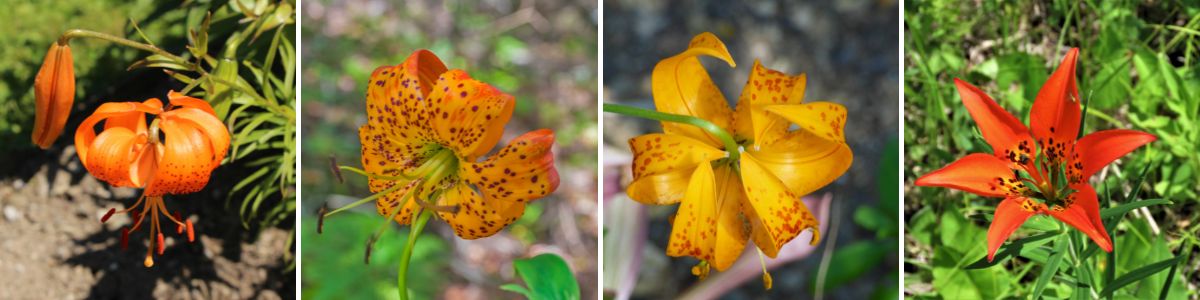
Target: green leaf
(1139, 274)
(547, 277)
(1120, 210)
(1013, 248)
(1051, 267)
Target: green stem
(413, 233)
(730, 146)
(81, 33)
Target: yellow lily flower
(729, 196)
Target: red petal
(1001, 129)
(975, 173)
(1055, 113)
(1084, 214)
(1099, 148)
(1010, 214)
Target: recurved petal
(388, 154)
(1056, 112)
(1010, 214)
(976, 173)
(468, 115)
(680, 85)
(803, 161)
(111, 155)
(86, 133)
(707, 225)
(520, 172)
(825, 120)
(1100, 148)
(390, 201)
(662, 164)
(1001, 129)
(180, 100)
(213, 129)
(774, 212)
(473, 216)
(396, 97)
(54, 92)
(186, 162)
(1082, 211)
(765, 88)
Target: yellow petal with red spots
(468, 115)
(823, 119)
(804, 162)
(472, 216)
(707, 225)
(765, 88)
(386, 153)
(680, 85)
(396, 97)
(662, 164)
(521, 171)
(775, 213)
(386, 203)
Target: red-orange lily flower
(175, 154)
(726, 202)
(54, 92)
(1038, 171)
(427, 128)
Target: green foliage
(335, 269)
(1137, 70)
(546, 277)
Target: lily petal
(766, 87)
(396, 98)
(521, 171)
(86, 133)
(1001, 129)
(825, 120)
(181, 100)
(1100, 148)
(775, 213)
(707, 224)
(468, 115)
(110, 157)
(803, 161)
(54, 90)
(663, 164)
(389, 201)
(975, 173)
(204, 120)
(1010, 214)
(187, 159)
(475, 217)
(680, 85)
(1083, 213)
(1056, 112)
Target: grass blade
(1051, 267)
(1139, 274)
(1120, 210)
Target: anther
(321, 218)
(161, 247)
(124, 238)
(190, 232)
(333, 166)
(107, 215)
(370, 244)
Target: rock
(11, 214)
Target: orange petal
(803, 161)
(1083, 213)
(386, 153)
(521, 171)
(468, 115)
(823, 119)
(765, 88)
(774, 212)
(203, 119)
(186, 162)
(1056, 112)
(390, 201)
(122, 110)
(181, 100)
(110, 157)
(1001, 129)
(396, 97)
(976, 173)
(54, 92)
(707, 225)
(662, 164)
(1100, 148)
(1010, 214)
(475, 217)
(680, 85)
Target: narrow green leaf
(1139, 274)
(1120, 210)
(1051, 267)
(1012, 249)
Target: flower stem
(413, 233)
(730, 146)
(81, 33)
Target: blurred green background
(1137, 70)
(543, 53)
(848, 49)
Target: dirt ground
(53, 245)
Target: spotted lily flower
(1038, 170)
(427, 129)
(54, 93)
(175, 154)
(726, 200)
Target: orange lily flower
(426, 129)
(54, 92)
(1038, 171)
(725, 202)
(175, 154)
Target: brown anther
(321, 218)
(370, 244)
(333, 166)
(124, 238)
(107, 215)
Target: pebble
(11, 214)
